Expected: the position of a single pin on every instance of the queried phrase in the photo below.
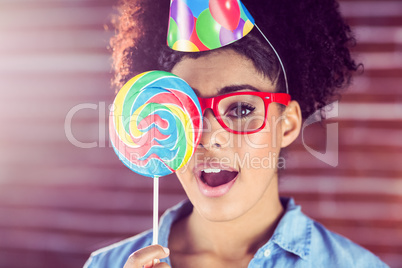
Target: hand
(148, 257)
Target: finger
(162, 265)
(152, 264)
(145, 256)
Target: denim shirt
(298, 241)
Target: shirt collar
(293, 232)
(171, 215)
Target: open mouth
(217, 177)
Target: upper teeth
(212, 170)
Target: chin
(220, 214)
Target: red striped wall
(59, 202)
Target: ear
(291, 123)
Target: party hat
(200, 25)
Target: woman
(234, 216)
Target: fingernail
(166, 250)
(156, 261)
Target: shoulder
(310, 244)
(331, 249)
(117, 254)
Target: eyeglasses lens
(243, 113)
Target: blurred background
(64, 193)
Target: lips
(214, 179)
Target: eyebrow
(232, 88)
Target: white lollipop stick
(156, 211)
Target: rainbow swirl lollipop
(155, 123)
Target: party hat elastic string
(279, 58)
(204, 25)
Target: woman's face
(230, 175)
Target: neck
(238, 237)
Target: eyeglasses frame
(268, 97)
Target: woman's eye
(240, 110)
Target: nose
(213, 135)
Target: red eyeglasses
(243, 112)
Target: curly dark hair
(310, 36)
(263, 57)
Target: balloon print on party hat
(200, 25)
(155, 123)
